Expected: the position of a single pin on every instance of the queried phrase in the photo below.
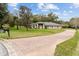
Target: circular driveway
(35, 46)
(3, 50)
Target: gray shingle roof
(49, 23)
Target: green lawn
(68, 48)
(32, 32)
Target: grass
(68, 47)
(22, 33)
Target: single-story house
(49, 25)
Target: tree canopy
(3, 12)
(45, 18)
(25, 15)
(74, 22)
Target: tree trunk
(1, 26)
(76, 28)
(8, 33)
(27, 27)
(17, 27)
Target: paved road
(37, 46)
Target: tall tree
(74, 22)
(16, 18)
(3, 12)
(52, 17)
(16, 21)
(9, 19)
(25, 14)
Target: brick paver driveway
(38, 46)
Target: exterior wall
(34, 26)
(60, 27)
(50, 27)
(54, 27)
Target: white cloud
(71, 7)
(65, 14)
(16, 9)
(64, 11)
(44, 10)
(12, 4)
(70, 11)
(76, 5)
(57, 13)
(49, 6)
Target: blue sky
(65, 11)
